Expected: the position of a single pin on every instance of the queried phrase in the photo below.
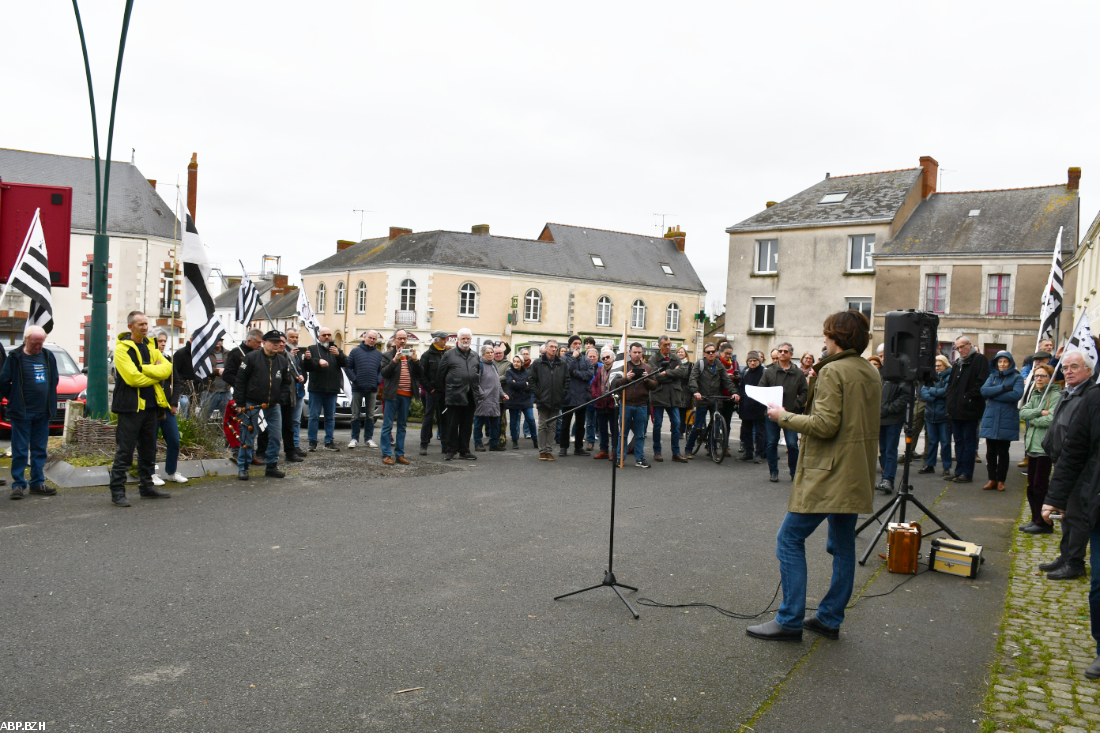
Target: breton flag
(306, 314)
(206, 328)
(618, 367)
(1081, 340)
(31, 276)
(1052, 296)
(247, 299)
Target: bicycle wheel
(696, 433)
(717, 438)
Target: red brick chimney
(278, 286)
(480, 229)
(1074, 182)
(396, 232)
(769, 204)
(931, 172)
(342, 244)
(152, 182)
(193, 185)
(678, 238)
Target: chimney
(342, 244)
(396, 232)
(480, 229)
(677, 237)
(770, 204)
(193, 184)
(232, 282)
(1074, 182)
(153, 183)
(931, 172)
(278, 286)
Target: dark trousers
(1038, 481)
(135, 430)
(261, 443)
(578, 429)
(288, 429)
(1094, 586)
(1075, 530)
(431, 418)
(460, 425)
(754, 433)
(996, 459)
(966, 446)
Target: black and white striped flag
(206, 327)
(31, 276)
(1052, 296)
(247, 299)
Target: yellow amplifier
(955, 557)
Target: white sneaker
(372, 444)
(178, 477)
(353, 443)
(157, 480)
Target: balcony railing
(404, 319)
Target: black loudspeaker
(911, 346)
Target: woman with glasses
(685, 392)
(1039, 413)
(521, 401)
(607, 414)
(753, 414)
(807, 364)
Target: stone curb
(68, 476)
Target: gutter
(810, 225)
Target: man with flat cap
(433, 389)
(263, 377)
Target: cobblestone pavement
(1038, 680)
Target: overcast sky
(445, 115)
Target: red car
(71, 383)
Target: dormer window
(667, 270)
(597, 260)
(833, 198)
(975, 212)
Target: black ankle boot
(118, 498)
(272, 470)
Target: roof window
(666, 268)
(597, 260)
(975, 212)
(833, 198)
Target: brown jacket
(637, 394)
(836, 461)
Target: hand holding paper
(765, 395)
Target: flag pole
(259, 299)
(622, 403)
(22, 254)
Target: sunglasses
(708, 353)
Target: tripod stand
(905, 492)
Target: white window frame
(861, 299)
(841, 194)
(638, 307)
(341, 297)
(604, 307)
(407, 295)
(473, 294)
(532, 306)
(361, 297)
(597, 261)
(667, 269)
(774, 257)
(322, 291)
(851, 245)
(673, 317)
(762, 301)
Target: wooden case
(955, 557)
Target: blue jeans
(966, 446)
(318, 402)
(274, 416)
(791, 551)
(529, 427)
(637, 418)
(29, 436)
(938, 434)
(296, 416)
(590, 424)
(888, 436)
(674, 427)
(214, 401)
(397, 408)
(608, 423)
(771, 428)
(1094, 587)
(170, 429)
(492, 429)
(702, 415)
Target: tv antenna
(661, 229)
(361, 212)
(939, 186)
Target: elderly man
(549, 381)
(297, 370)
(834, 480)
(501, 350)
(261, 381)
(1077, 367)
(1075, 489)
(665, 400)
(433, 393)
(289, 399)
(965, 406)
(138, 399)
(28, 380)
(364, 361)
(325, 364)
(788, 375)
(401, 376)
(459, 380)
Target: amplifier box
(955, 557)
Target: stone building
(1084, 268)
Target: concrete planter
(68, 476)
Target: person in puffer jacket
(1001, 420)
(521, 401)
(937, 425)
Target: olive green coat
(839, 451)
(1038, 423)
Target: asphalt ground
(312, 603)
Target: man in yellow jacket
(834, 479)
(138, 402)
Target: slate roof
(134, 207)
(872, 197)
(1020, 220)
(228, 298)
(283, 306)
(631, 259)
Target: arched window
(603, 311)
(361, 297)
(637, 315)
(408, 295)
(672, 317)
(467, 300)
(321, 298)
(341, 296)
(532, 306)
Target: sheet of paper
(765, 395)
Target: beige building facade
(1084, 268)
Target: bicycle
(715, 433)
